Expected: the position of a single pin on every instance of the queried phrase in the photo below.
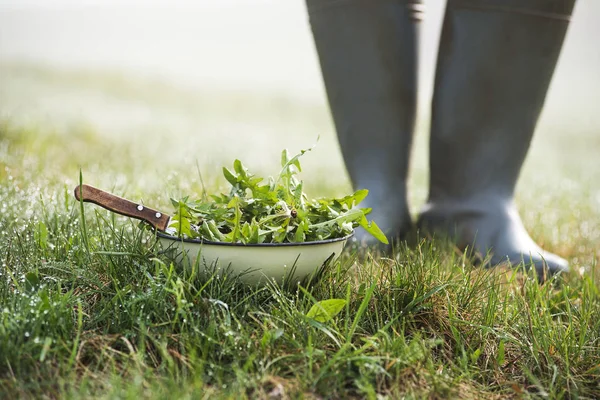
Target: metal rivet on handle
(158, 215)
(140, 207)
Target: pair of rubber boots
(495, 63)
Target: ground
(90, 308)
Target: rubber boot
(495, 64)
(368, 56)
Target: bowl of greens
(260, 229)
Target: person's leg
(495, 62)
(368, 55)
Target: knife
(157, 219)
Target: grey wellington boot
(368, 56)
(495, 63)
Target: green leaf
(229, 176)
(181, 221)
(300, 236)
(325, 310)
(214, 230)
(235, 203)
(373, 229)
(32, 281)
(285, 170)
(284, 157)
(254, 236)
(241, 170)
(207, 232)
(350, 216)
(298, 195)
(358, 197)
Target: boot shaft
(495, 64)
(368, 53)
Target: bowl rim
(209, 242)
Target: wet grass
(89, 307)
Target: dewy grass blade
(361, 310)
(204, 192)
(83, 230)
(324, 310)
(78, 335)
(410, 307)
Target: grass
(90, 308)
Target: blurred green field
(139, 136)
(119, 327)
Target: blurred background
(209, 80)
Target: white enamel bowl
(255, 263)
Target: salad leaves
(275, 210)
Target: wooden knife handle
(122, 206)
